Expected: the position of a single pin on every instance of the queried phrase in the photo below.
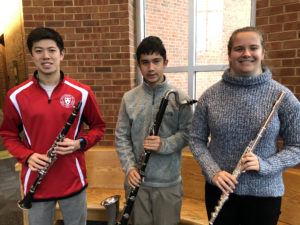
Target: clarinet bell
(26, 202)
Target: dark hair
(40, 33)
(150, 45)
(245, 29)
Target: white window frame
(192, 68)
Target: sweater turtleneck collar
(158, 87)
(266, 76)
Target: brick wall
(99, 41)
(280, 22)
(100, 37)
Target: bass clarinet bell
(111, 204)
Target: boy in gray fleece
(160, 193)
(231, 112)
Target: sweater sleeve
(199, 138)
(179, 140)
(94, 120)
(289, 155)
(124, 145)
(10, 131)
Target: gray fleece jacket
(137, 113)
(232, 112)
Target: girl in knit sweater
(231, 113)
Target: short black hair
(149, 45)
(41, 33)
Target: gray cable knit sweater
(231, 112)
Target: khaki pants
(157, 206)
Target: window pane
(168, 20)
(179, 80)
(205, 80)
(216, 20)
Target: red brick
(109, 8)
(43, 17)
(282, 36)
(83, 16)
(73, 9)
(100, 2)
(86, 70)
(109, 22)
(292, 7)
(271, 28)
(283, 18)
(90, 9)
(262, 4)
(282, 2)
(277, 45)
(291, 44)
(118, 28)
(82, 2)
(42, 3)
(54, 23)
(291, 62)
(100, 30)
(84, 30)
(262, 21)
(64, 17)
(102, 69)
(33, 10)
(54, 10)
(269, 11)
(118, 14)
(63, 3)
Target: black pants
(242, 210)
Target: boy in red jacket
(40, 107)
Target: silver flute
(250, 148)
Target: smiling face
(152, 67)
(47, 57)
(246, 55)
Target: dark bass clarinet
(250, 148)
(142, 163)
(26, 203)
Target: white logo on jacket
(67, 101)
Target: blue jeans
(74, 211)
(242, 210)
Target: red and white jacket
(28, 108)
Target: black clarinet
(144, 158)
(26, 202)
